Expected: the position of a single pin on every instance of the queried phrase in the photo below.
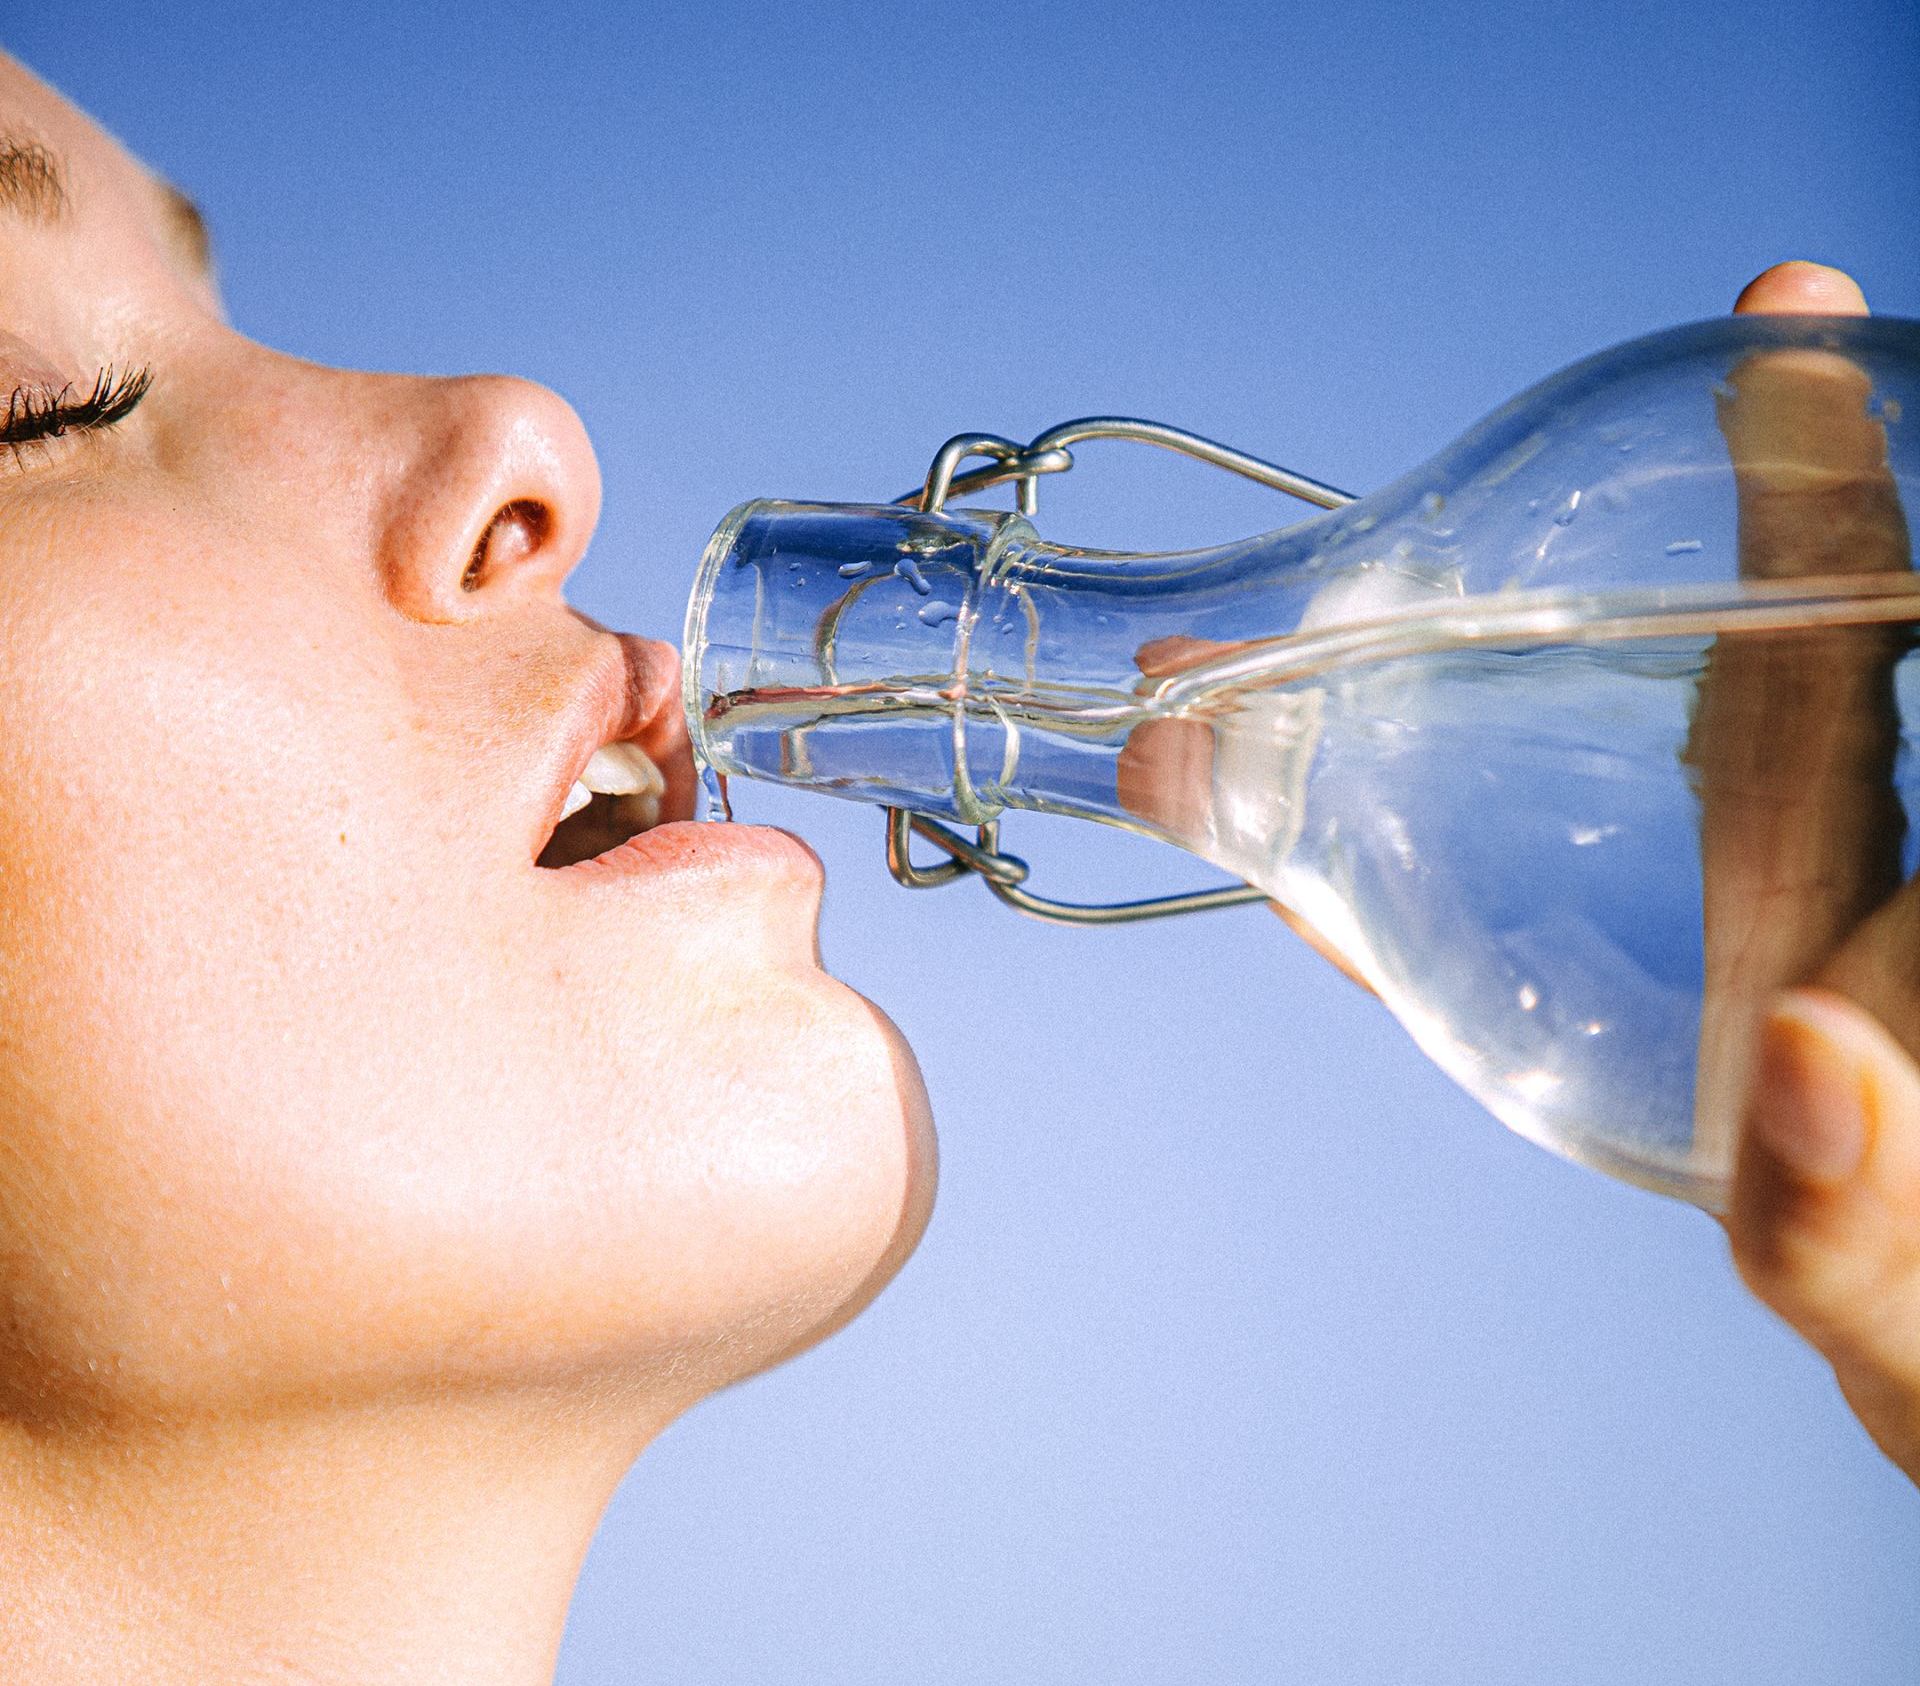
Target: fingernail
(1807, 1105)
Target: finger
(1794, 743)
(1799, 288)
(1795, 734)
(1310, 935)
(1878, 967)
(1825, 1220)
(1816, 494)
(1159, 657)
(1165, 776)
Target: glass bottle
(1576, 743)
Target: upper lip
(632, 695)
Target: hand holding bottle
(1825, 1217)
(1580, 741)
(1807, 926)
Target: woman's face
(315, 1082)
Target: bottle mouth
(826, 646)
(693, 637)
(1524, 619)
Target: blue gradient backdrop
(1243, 1346)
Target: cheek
(298, 1097)
(199, 994)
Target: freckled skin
(368, 1195)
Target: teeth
(622, 769)
(619, 769)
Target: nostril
(518, 531)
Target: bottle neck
(956, 665)
(826, 648)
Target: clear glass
(1576, 743)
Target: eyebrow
(31, 183)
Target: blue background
(1243, 1347)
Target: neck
(416, 1543)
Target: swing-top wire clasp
(1050, 453)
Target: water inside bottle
(1578, 741)
(1537, 846)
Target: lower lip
(701, 848)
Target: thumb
(1825, 1219)
(1799, 288)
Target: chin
(753, 1163)
(904, 1144)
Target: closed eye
(34, 414)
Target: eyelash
(35, 415)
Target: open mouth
(619, 794)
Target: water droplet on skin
(1680, 547)
(938, 614)
(909, 570)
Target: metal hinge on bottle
(1048, 453)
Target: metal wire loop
(1003, 874)
(1011, 462)
(1048, 453)
(983, 857)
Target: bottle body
(1489, 730)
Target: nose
(491, 493)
